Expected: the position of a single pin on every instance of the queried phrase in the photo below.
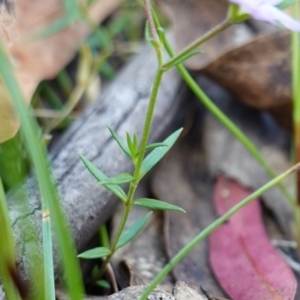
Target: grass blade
(7, 250)
(157, 204)
(37, 153)
(214, 225)
(95, 253)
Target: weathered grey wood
(181, 291)
(123, 108)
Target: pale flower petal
(272, 2)
(286, 20)
(265, 10)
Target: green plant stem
(210, 34)
(222, 117)
(147, 6)
(296, 114)
(147, 128)
(213, 226)
(138, 164)
(49, 280)
(148, 121)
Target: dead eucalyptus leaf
(258, 74)
(9, 122)
(193, 18)
(35, 60)
(225, 154)
(255, 71)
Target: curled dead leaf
(258, 74)
(37, 59)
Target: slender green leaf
(155, 145)
(153, 43)
(130, 233)
(95, 253)
(157, 204)
(135, 142)
(130, 144)
(115, 189)
(148, 36)
(119, 141)
(118, 179)
(103, 283)
(49, 195)
(182, 59)
(157, 154)
(286, 3)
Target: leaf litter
(181, 178)
(241, 255)
(187, 175)
(235, 57)
(35, 59)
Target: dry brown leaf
(193, 18)
(36, 60)
(256, 71)
(258, 74)
(145, 254)
(181, 179)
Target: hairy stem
(134, 184)
(150, 20)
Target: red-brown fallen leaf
(37, 59)
(241, 255)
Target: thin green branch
(149, 16)
(210, 34)
(207, 102)
(141, 155)
(296, 114)
(213, 226)
(7, 250)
